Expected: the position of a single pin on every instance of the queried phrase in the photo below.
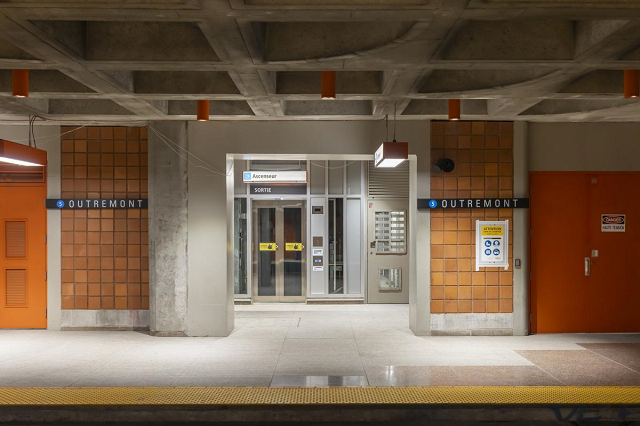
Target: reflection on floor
(298, 345)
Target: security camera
(444, 165)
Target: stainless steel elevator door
(279, 251)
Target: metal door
(279, 251)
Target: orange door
(23, 290)
(559, 244)
(615, 272)
(583, 279)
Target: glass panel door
(279, 251)
(267, 249)
(294, 248)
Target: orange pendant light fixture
(21, 155)
(203, 110)
(20, 83)
(454, 109)
(328, 85)
(631, 87)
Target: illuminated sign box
(291, 176)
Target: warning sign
(492, 244)
(268, 246)
(493, 230)
(294, 247)
(613, 223)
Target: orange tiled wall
(483, 152)
(105, 260)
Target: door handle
(587, 266)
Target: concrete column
(168, 203)
(210, 238)
(520, 230)
(420, 291)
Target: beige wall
(584, 146)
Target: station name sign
(289, 176)
(98, 203)
(472, 203)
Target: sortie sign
(472, 203)
(98, 203)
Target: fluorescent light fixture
(21, 155)
(391, 154)
(20, 83)
(631, 86)
(454, 110)
(18, 162)
(203, 110)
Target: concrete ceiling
(132, 61)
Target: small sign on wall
(613, 223)
(492, 244)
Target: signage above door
(279, 189)
(472, 203)
(290, 176)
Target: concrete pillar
(520, 230)
(210, 238)
(168, 238)
(420, 291)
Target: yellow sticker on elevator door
(294, 247)
(268, 246)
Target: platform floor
(310, 346)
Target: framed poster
(492, 244)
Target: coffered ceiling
(140, 60)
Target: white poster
(492, 244)
(613, 223)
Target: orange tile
(492, 292)
(81, 302)
(107, 302)
(463, 169)
(437, 265)
(437, 278)
(437, 224)
(450, 279)
(120, 303)
(506, 305)
(491, 128)
(464, 251)
(437, 182)
(437, 237)
(506, 292)
(450, 306)
(464, 306)
(477, 127)
(479, 292)
(450, 265)
(492, 306)
(479, 306)
(450, 183)
(492, 142)
(437, 306)
(464, 292)
(464, 278)
(450, 224)
(464, 237)
(505, 169)
(464, 183)
(478, 278)
(505, 156)
(437, 141)
(450, 128)
(437, 292)
(450, 237)
(450, 251)
(506, 278)
(464, 224)
(464, 156)
(437, 252)
(451, 292)
(506, 141)
(491, 169)
(477, 169)
(506, 127)
(450, 142)
(464, 128)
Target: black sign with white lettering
(81, 203)
(257, 189)
(472, 203)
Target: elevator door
(582, 278)
(279, 251)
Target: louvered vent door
(23, 289)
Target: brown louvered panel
(16, 288)
(16, 239)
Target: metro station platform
(299, 363)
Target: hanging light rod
(21, 155)
(631, 86)
(20, 83)
(203, 110)
(328, 85)
(454, 109)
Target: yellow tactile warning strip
(119, 396)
